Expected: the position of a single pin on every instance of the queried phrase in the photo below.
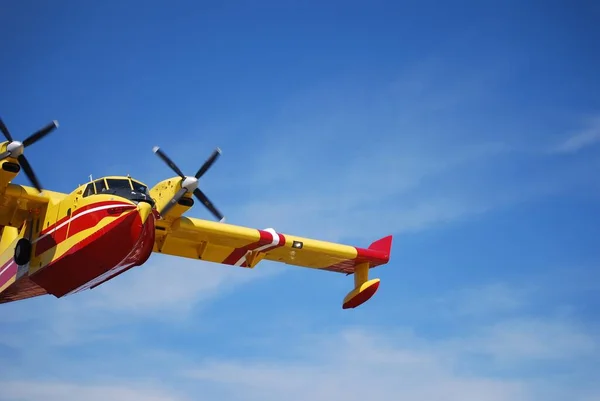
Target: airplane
(54, 243)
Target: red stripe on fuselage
(82, 219)
(81, 210)
(7, 271)
(75, 213)
(94, 255)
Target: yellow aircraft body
(60, 244)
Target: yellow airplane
(60, 244)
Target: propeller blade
(173, 202)
(5, 131)
(168, 161)
(4, 155)
(191, 183)
(29, 172)
(204, 199)
(36, 136)
(208, 163)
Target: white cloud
(353, 159)
(588, 136)
(510, 357)
(534, 339)
(64, 391)
(164, 291)
(358, 365)
(496, 298)
(494, 351)
(171, 285)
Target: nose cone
(145, 210)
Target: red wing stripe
(277, 241)
(234, 257)
(269, 239)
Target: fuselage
(86, 238)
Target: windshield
(118, 183)
(139, 187)
(123, 187)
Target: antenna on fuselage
(91, 179)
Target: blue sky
(469, 130)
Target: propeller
(16, 148)
(190, 184)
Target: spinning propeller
(16, 148)
(190, 184)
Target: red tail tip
(383, 245)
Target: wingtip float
(62, 243)
(377, 253)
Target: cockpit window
(89, 190)
(139, 187)
(100, 186)
(114, 183)
(94, 187)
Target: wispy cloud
(166, 290)
(534, 339)
(170, 285)
(347, 160)
(358, 364)
(588, 136)
(353, 365)
(65, 391)
(507, 356)
(497, 298)
(503, 357)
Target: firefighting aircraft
(60, 244)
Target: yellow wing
(246, 247)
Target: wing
(246, 247)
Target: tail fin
(383, 247)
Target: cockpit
(124, 187)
